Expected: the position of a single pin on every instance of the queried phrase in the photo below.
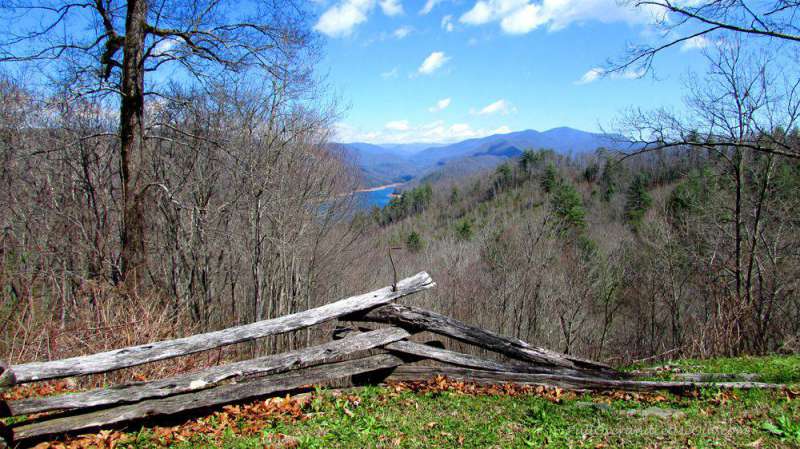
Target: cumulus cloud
(591, 76)
(434, 132)
(397, 125)
(596, 73)
(429, 5)
(695, 43)
(391, 7)
(340, 19)
(498, 107)
(447, 23)
(440, 105)
(401, 32)
(433, 62)
(524, 16)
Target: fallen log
(420, 372)
(426, 351)
(189, 402)
(210, 377)
(7, 376)
(701, 377)
(417, 319)
(137, 355)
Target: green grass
(382, 417)
(452, 419)
(779, 369)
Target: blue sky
(447, 70)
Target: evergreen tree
(505, 176)
(529, 160)
(464, 229)
(609, 180)
(414, 242)
(568, 205)
(549, 178)
(638, 199)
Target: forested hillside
(609, 257)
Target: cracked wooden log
(471, 361)
(426, 351)
(7, 376)
(420, 372)
(417, 319)
(210, 377)
(188, 402)
(7, 380)
(151, 352)
(5, 436)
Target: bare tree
(109, 46)
(682, 21)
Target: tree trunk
(132, 143)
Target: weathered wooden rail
(279, 373)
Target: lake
(377, 198)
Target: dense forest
(135, 211)
(613, 259)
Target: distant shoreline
(374, 189)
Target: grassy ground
(778, 369)
(446, 415)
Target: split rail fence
(347, 355)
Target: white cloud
(498, 107)
(390, 74)
(596, 73)
(591, 76)
(447, 23)
(433, 62)
(340, 19)
(435, 132)
(695, 43)
(524, 16)
(391, 7)
(397, 125)
(165, 45)
(440, 105)
(402, 32)
(429, 5)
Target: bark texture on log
(419, 372)
(210, 377)
(427, 351)
(137, 355)
(5, 436)
(224, 394)
(7, 376)
(420, 319)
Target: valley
(388, 164)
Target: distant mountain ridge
(388, 163)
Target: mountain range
(393, 163)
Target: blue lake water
(378, 198)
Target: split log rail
(397, 359)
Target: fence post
(7, 380)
